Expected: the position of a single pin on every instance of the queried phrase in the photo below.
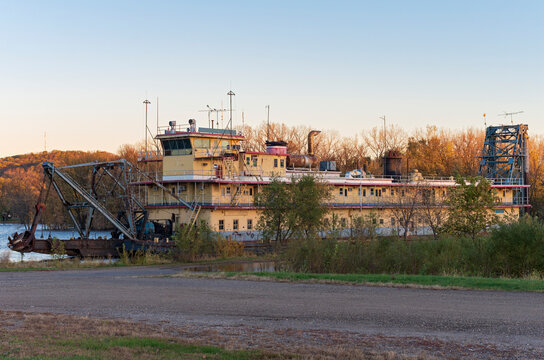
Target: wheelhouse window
(249, 224)
(221, 224)
(177, 147)
(235, 224)
(201, 143)
(275, 162)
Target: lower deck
(242, 224)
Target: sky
(79, 71)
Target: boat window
(177, 147)
(201, 143)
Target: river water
(8, 229)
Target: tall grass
(201, 242)
(514, 250)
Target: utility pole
(146, 102)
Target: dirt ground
(24, 335)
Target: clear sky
(79, 70)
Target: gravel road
(503, 320)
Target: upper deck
(191, 154)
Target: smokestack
(311, 134)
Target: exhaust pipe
(311, 135)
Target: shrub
(194, 242)
(517, 248)
(225, 248)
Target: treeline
(21, 180)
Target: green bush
(515, 249)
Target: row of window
(227, 191)
(373, 191)
(379, 192)
(254, 160)
(235, 224)
(343, 222)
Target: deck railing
(247, 201)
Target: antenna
(230, 94)
(485, 121)
(157, 115)
(146, 102)
(267, 122)
(511, 114)
(210, 110)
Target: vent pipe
(311, 134)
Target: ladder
(228, 164)
(236, 196)
(193, 217)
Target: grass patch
(158, 348)
(54, 336)
(73, 263)
(416, 280)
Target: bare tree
(377, 142)
(433, 208)
(405, 206)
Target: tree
(405, 206)
(433, 210)
(291, 209)
(308, 210)
(470, 204)
(276, 221)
